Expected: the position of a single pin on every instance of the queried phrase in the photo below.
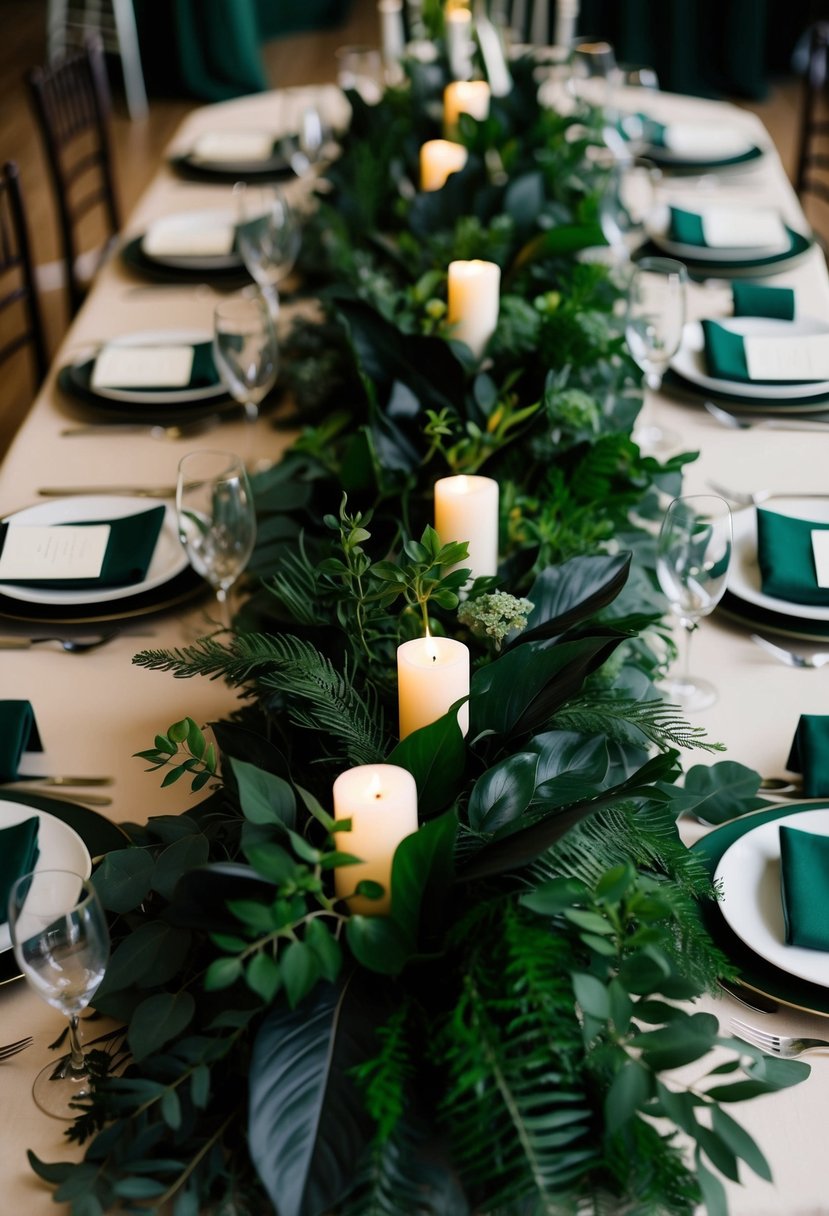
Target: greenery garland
(503, 1042)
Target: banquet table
(95, 710)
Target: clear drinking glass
(216, 519)
(627, 200)
(268, 237)
(245, 349)
(61, 943)
(692, 558)
(654, 321)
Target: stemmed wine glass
(245, 349)
(216, 519)
(653, 327)
(268, 237)
(626, 201)
(693, 552)
(61, 943)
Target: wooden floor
(139, 146)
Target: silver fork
(816, 660)
(70, 645)
(725, 418)
(786, 1046)
(11, 1049)
(743, 499)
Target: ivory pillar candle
(473, 300)
(466, 508)
(393, 37)
(459, 44)
(432, 674)
(381, 802)
(439, 158)
(464, 97)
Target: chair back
(812, 178)
(20, 318)
(72, 107)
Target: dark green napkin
(686, 227)
(758, 300)
(18, 734)
(203, 373)
(725, 356)
(18, 856)
(130, 549)
(809, 754)
(804, 887)
(786, 561)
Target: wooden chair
(812, 177)
(20, 320)
(72, 106)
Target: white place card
(193, 240)
(233, 147)
(143, 367)
(64, 551)
(803, 358)
(705, 140)
(737, 228)
(820, 552)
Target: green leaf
(200, 1086)
(629, 1090)
(171, 1109)
(54, 1172)
(271, 861)
(307, 1123)
(503, 793)
(265, 798)
(713, 1191)
(123, 879)
(154, 952)
(570, 593)
(721, 791)
(740, 1142)
(326, 947)
(262, 976)
(221, 973)
(556, 895)
(139, 1188)
(300, 970)
(564, 238)
(157, 1020)
(435, 755)
(179, 857)
(592, 995)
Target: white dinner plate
(657, 228)
(61, 848)
(752, 903)
(744, 572)
(155, 337)
(190, 223)
(689, 361)
(169, 558)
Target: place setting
(684, 147)
(256, 155)
(189, 247)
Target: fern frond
(629, 721)
(405, 1174)
(295, 585)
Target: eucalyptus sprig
(183, 738)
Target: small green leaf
(200, 1086)
(265, 798)
(173, 775)
(54, 1172)
(183, 855)
(713, 1191)
(178, 731)
(555, 896)
(143, 1188)
(629, 1090)
(260, 917)
(221, 973)
(740, 1142)
(123, 879)
(300, 971)
(171, 1109)
(195, 739)
(262, 976)
(326, 947)
(158, 1020)
(592, 995)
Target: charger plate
(690, 363)
(175, 593)
(98, 834)
(756, 973)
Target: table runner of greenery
(503, 1041)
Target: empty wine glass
(653, 327)
(61, 943)
(626, 201)
(312, 141)
(268, 237)
(216, 519)
(693, 552)
(245, 349)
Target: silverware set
(785, 1046)
(12, 1049)
(817, 422)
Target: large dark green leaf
(566, 238)
(435, 755)
(307, 1124)
(201, 895)
(158, 1020)
(265, 797)
(565, 595)
(523, 846)
(521, 690)
(503, 793)
(421, 876)
(242, 743)
(718, 792)
(571, 767)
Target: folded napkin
(694, 141)
(18, 734)
(728, 228)
(786, 559)
(203, 373)
(234, 147)
(726, 359)
(809, 754)
(804, 887)
(18, 856)
(129, 551)
(757, 300)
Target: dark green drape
(211, 49)
(703, 47)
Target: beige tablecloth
(96, 710)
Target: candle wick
(378, 797)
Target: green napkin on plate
(786, 560)
(18, 734)
(685, 227)
(725, 355)
(129, 551)
(758, 300)
(809, 754)
(18, 856)
(804, 887)
(203, 373)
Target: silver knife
(129, 491)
